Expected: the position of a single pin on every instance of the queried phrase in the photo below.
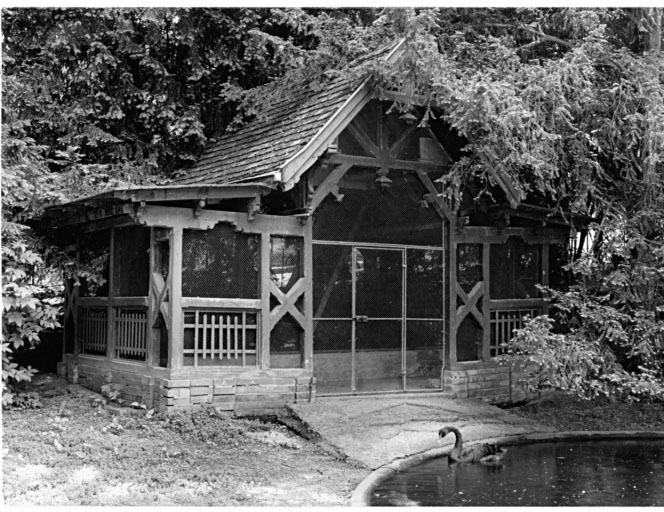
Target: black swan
(481, 452)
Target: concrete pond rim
(363, 492)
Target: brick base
(488, 381)
(256, 395)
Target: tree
(570, 105)
(99, 98)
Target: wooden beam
(363, 138)
(328, 185)
(168, 216)
(452, 295)
(432, 197)
(287, 303)
(486, 308)
(470, 301)
(110, 328)
(480, 234)
(396, 147)
(220, 303)
(263, 343)
(307, 156)
(308, 296)
(176, 328)
(392, 163)
(191, 192)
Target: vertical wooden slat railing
(503, 324)
(131, 334)
(218, 336)
(92, 330)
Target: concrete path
(375, 430)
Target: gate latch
(362, 319)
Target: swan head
(444, 431)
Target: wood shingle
(262, 146)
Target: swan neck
(457, 436)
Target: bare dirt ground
(71, 452)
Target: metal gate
(378, 323)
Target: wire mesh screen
(469, 265)
(285, 261)
(424, 288)
(332, 335)
(131, 261)
(515, 270)
(332, 356)
(163, 341)
(379, 283)
(425, 324)
(220, 263)
(378, 335)
(369, 213)
(558, 258)
(69, 334)
(424, 353)
(286, 344)
(332, 281)
(469, 340)
(93, 251)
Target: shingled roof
(292, 131)
(262, 146)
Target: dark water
(609, 473)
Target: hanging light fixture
(382, 180)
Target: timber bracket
(135, 210)
(253, 208)
(200, 204)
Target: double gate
(378, 317)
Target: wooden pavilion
(308, 253)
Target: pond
(579, 473)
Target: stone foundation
(488, 381)
(243, 396)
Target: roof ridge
(282, 130)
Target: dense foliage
(569, 103)
(98, 98)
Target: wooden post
(308, 271)
(453, 292)
(175, 338)
(152, 348)
(545, 273)
(486, 304)
(263, 345)
(110, 320)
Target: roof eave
(298, 164)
